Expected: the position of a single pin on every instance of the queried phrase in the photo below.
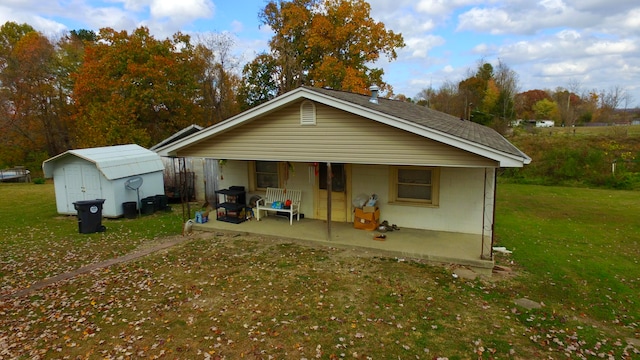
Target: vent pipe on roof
(374, 94)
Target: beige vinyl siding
(337, 137)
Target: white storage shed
(101, 173)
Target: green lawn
(222, 296)
(580, 247)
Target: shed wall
(152, 184)
(69, 183)
(72, 175)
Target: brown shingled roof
(428, 118)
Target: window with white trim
(414, 185)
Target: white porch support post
(488, 218)
(329, 190)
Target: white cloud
(611, 47)
(112, 17)
(237, 26)
(47, 26)
(553, 5)
(566, 68)
(182, 11)
(562, 45)
(524, 18)
(443, 8)
(568, 35)
(435, 7)
(602, 8)
(623, 24)
(409, 23)
(482, 48)
(418, 47)
(493, 21)
(135, 5)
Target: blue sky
(579, 44)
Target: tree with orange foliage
(324, 43)
(526, 100)
(34, 105)
(488, 97)
(133, 88)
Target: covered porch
(433, 246)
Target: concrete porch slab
(433, 246)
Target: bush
(39, 181)
(626, 181)
(578, 160)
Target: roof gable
(428, 118)
(114, 162)
(337, 137)
(191, 129)
(416, 119)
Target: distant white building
(536, 123)
(545, 123)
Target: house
(545, 123)
(535, 123)
(429, 170)
(102, 173)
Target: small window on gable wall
(307, 113)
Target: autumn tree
(506, 80)
(425, 96)
(445, 98)
(545, 109)
(525, 101)
(403, 98)
(609, 101)
(38, 101)
(12, 150)
(133, 88)
(324, 43)
(34, 102)
(68, 59)
(220, 83)
(10, 34)
(479, 94)
(488, 95)
(260, 81)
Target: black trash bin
(130, 209)
(161, 202)
(89, 216)
(148, 205)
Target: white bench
(282, 195)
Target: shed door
(339, 193)
(91, 182)
(82, 182)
